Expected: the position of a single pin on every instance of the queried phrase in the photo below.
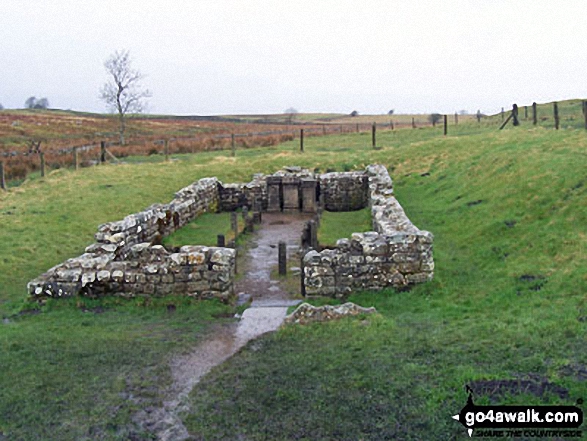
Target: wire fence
(41, 156)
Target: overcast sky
(261, 56)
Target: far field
(506, 308)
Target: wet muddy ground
(268, 308)
(262, 257)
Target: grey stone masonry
(309, 188)
(344, 191)
(202, 272)
(126, 260)
(252, 195)
(159, 219)
(396, 254)
(291, 193)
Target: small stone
(103, 275)
(306, 313)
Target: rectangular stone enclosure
(126, 261)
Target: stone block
(291, 196)
(308, 187)
(273, 193)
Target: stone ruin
(126, 259)
(396, 254)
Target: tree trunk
(120, 112)
(122, 127)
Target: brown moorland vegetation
(26, 133)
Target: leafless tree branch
(123, 92)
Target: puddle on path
(266, 313)
(262, 256)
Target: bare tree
(30, 102)
(34, 103)
(123, 92)
(434, 118)
(42, 103)
(291, 113)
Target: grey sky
(261, 56)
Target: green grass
(339, 225)
(507, 209)
(80, 369)
(507, 300)
(203, 231)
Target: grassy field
(338, 225)
(507, 208)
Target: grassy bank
(507, 210)
(507, 304)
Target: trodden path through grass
(268, 308)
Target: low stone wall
(344, 191)
(396, 254)
(158, 220)
(124, 261)
(202, 272)
(253, 195)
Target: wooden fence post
(220, 241)
(502, 114)
(456, 119)
(556, 117)
(302, 284)
(391, 124)
(585, 113)
(323, 129)
(302, 140)
(526, 113)
(166, 150)
(313, 235)
(374, 135)
(357, 127)
(506, 121)
(42, 156)
(534, 114)
(232, 145)
(515, 115)
(75, 158)
(413, 123)
(445, 125)
(2, 176)
(234, 225)
(282, 258)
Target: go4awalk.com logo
(518, 421)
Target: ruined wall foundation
(126, 261)
(396, 254)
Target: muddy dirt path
(265, 314)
